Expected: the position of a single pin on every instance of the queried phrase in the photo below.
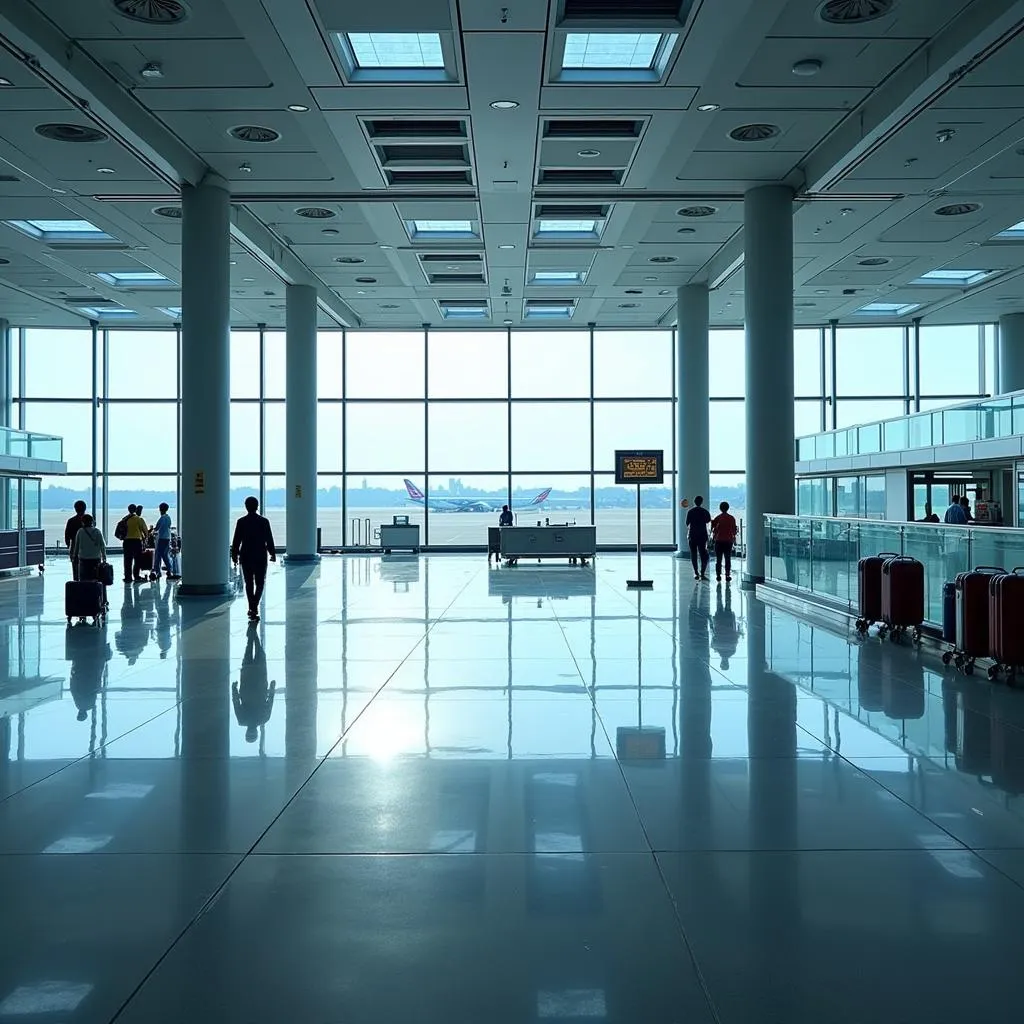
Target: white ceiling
(859, 142)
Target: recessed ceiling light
(706, 108)
(507, 245)
(298, 108)
(821, 291)
(105, 170)
(387, 247)
(248, 280)
(329, 231)
(152, 70)
(650, 279)
(504, 104)
(628, 305)
(686, 231)
(507, 321)
(589, 154)
(807, 68)
(6, 83)
(665, 291)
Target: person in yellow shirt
(135, 531)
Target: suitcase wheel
(947, 657)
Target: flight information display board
(640, 467)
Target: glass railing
(819, 554)
(981, 420)
(23, 444)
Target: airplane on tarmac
(437, 504)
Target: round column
(768, 261)
(205, 424)
(1011, 353)
(300, 421)
(692, 409)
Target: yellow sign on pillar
(298, 490)
(199, 486)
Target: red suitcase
(903, 595)
(1006, 622)
(972, 602)
(869, 577)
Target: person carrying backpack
(88, 550)
(131, 531)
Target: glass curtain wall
(445, 426)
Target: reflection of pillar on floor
(695, 708)
(300, 657)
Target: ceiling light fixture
(105, 170)
(504, 104)
(153, 70)
(589, 154)
(298, 108)
(807, 68)
(707, 108)
(507, 245)
(6, 83)
(944, 134)
(329, 231)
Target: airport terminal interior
(389, 268)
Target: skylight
(552, 227)
(111, 313)
(464, 310)
(441, 229)
(61, 230)
(961, 278)
(134, 277)
(174, 312)
(396, 49)
(611, 51)
(888, 308)
(558, 277)
(1013, 231)
(548, 311)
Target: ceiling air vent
(70, 133)
(754, 132)
(315, 212)
(957, 209)
(456, 279)
(429, 177)
(854, 12)
(441, 257)
(617, 11)
(152, 12)
(662, 259)
(89, 300)
(873, 261)
(593, 129)
(8, 178)
(349, 259)
(170, 212)
(403, 129)
(253, 133)
(366, 280)
(572, 211)
(585, 176)
(697, 211)
(418, 155)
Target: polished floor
(427, 790)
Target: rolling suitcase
(949, 613)
(902, 596)
(146, 560)
(1006, 623)
(869, 576)
(972, 601)
(105, 574)
(84, 600)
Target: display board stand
(639, 583)
(639, 467)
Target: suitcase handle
(888, 554)
(1016, 570)
(989, 568)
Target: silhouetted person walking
(252, 543)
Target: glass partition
(22, 444)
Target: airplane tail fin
(413, 491)
(542, 497)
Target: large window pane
(468, 437)
(869, 361)
(807, 361)
(274, 364)
(245, 364)
(142, 489)
(58, 363)
(462, 507)
(143, 437)
(377, 499)
(385, 436)
(329, 418)
(384, 364)
(550, 364)
(850, 412)
(633, 364)
(328, 510)
(550, 436)
(615, 512)
(568, 502)
(728, 447)
(631, 425)
(949, 360)
(727, 365)
(274, 502)
(467, 364)
(245, 437)
(330, 363)
(730, 487)
(807, 417)
(242, 485)
(70, 420)
(58, 497)
(143, 364)
(274, 437)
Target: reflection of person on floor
(164, 617)
(725, 636)
(132, 637)
(252, 698)
(88, 651)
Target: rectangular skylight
(134, 277)
(441, 228)
(60, 230)
(611, 51)
(174, 312)
(558, 277)
(464, 312)
(565, 228)
(548, 311)
(888, 308)
(396, 50)
(114, 313)
(959, 278)
(1013, 231)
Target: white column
(768, 246)
(300, 419)
(693, 410)
(1011, 352)
(205, 423)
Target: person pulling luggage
(71, 528)
(88, 550)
